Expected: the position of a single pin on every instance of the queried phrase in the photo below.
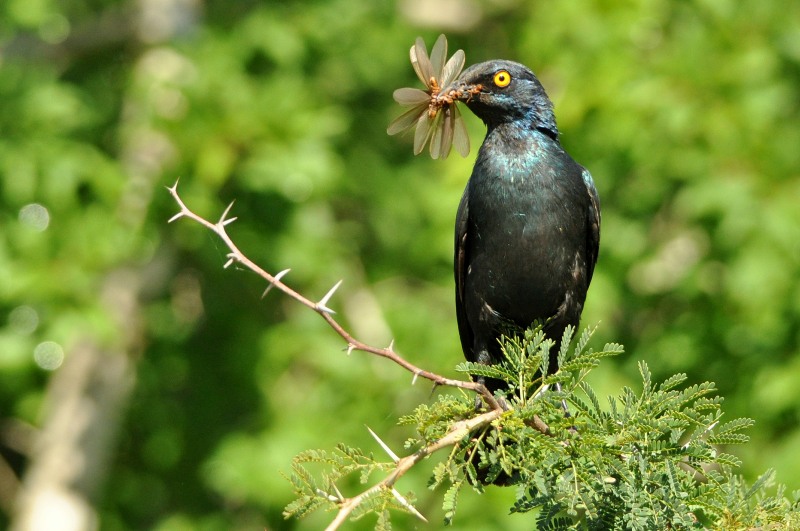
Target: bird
(527, 229)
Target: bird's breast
(527, 229)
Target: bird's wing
(593, 242)
(460, 270)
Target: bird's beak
(458, 90)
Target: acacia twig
(457, 432)
(321, 306)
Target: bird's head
(504, 91)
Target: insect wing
(460, 136)
(438, 56)
(453, 68)
(421, 62)
(411, 96)
(423, 133)
(406, 120)
(443, 135)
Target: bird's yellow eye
(502, 78)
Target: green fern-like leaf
(672, 382)
(384, 522)
(647, 383)
(302, 507)
(695, 392)
(580, 346)
(708, 403)
(728, 438)
(498, 372)
(631, 465)
(735, 425)
(566, 340)
(592, 396)
(450, 501)
(764, 480)
(586, 409)
(728, 460)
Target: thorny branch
(458, 431)
(321, 306)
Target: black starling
(528, 226)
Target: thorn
(542, 391)
(323, 302)
(390, 348)
(384, 445)
(338, 492)
(330, 293)
(414, 379)
(275, 279)
(404, 502)
(434, 386)
(232, 257)
(176, 216)
(350, 348)
(229, 221)
(327, 496)
(222, 220)
(174, 188)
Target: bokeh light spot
(48, 355)
(23, 320)
(35, 216)
(55, 29)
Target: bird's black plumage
(528, 226)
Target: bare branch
(320, 307)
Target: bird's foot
(480, 405)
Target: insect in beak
(434, 114)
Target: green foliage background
(686, 113)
